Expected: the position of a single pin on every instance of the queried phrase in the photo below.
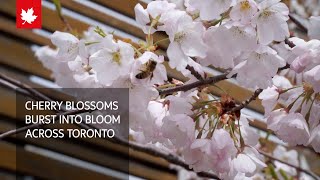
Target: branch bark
(201, 82)
(247, 102)
(291, 165)
(187, 87)
(36, 94)
(298, 23)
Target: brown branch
(194, 72)
(32, 91)
(247, 102)
(298, 23)
(210, 80)
(289, 43)
(287, 66)
(294, 166)
(187, 87)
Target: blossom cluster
(243, 37)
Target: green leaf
(284, 174)
(58, 6)
(272, 171)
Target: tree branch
(194, 72)
(298, 23)
(187, 87)
(14, 84)
(294, 166)
(210, 80)
(247, 102)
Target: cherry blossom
(244, 11)
(271, 21)
(149, 18)
(269, 98)
(215, 154)
(313, 77)
(315, 139)
(116, 58)
(211, 9)
(313, 29)
(225, 43)
(305, 55)
(186, 41)
(249, 135)
(258, 68)
(291, 128)
(142, 65)
(180, 129)
(67, 44)
(248, 162)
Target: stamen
(244, 6)
(116, 57)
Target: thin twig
(194, 72)
(26, 87)
(287, 66)
(294, 166)
(210, 80)
(289, 43)
(187, 87)
(298, 23)
(247, 102)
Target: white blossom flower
(112, 62)
(291, 128)
(269, 99)
(313, 77)
(227, 42)
(313, 28)
(61, 72)
(314, 111)
(139, 96)
(186, 41)
(258, 68)
(315, 139)
(67, 44)
(154, 11)
(305, 55)
(214, 154)
(274, 119)
(281, 82)
(244, 11)
(149, 69)
(179, 129)
(248, 162)
(152, 124)
(179, 105)
(211, 9)
(249, 135)
(271, 21)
